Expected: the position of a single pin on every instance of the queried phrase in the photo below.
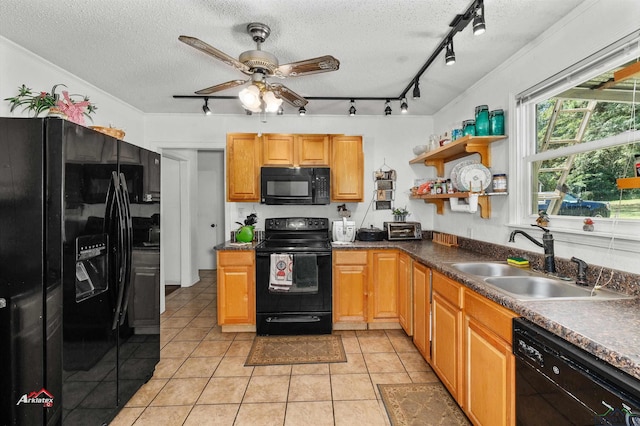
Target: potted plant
(73, 107)
(400, 214)
(244, 234)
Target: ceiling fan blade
(212, 51)
(288, 95)
(220, 87)
(308, 66)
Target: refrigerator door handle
(121, 252)
(128, 247)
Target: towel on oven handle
(280, 272)
(305, 270)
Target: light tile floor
(201, 378)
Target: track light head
(387, 108)
(479, 26)
(416, 90)
(404, 108)
(352, 108)
(280, 110)
(205, 107)
(450, 55)
(302, 110)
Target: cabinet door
(347, 168)
(312, 150)
(350, 283)
(244, 158)
(446, 352)
(236, 288)
(490, 366)
(489, 361)
(383, 293)
(278, 150)
(421, 309)
(405, 311)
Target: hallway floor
(201, 378)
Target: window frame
(621, 234)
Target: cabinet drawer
(349, 257)
(235, 257)
(448, 289)
(493, 316)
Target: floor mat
(421, 404)
(278, 350)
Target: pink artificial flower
(73, 111)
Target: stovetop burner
(296, 234)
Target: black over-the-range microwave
(295, 185)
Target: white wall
(19, 66)
(386, 140)
(171, 200)
(589, 28)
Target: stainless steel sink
(490, 269)
(542, 288)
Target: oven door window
(293, 274)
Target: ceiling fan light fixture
(352, 108)
(404, 108)
(450, 55)
(250, 97)
(302, 111)
(387, 108)
(205, 107)
(479, 26)
(271, 102)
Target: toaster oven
(403, 230)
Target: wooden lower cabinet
(489, 362)
(446, 339)
(421, 283)
(350, 285)
(383, 290)
(405, 297)
(236, 288)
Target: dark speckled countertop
(607, 329)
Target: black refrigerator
(79, 272)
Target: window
(578, 132)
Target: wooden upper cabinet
(312, 150)
(347, 168)
(244, 158)
(278, 150)
(295, 150)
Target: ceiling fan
(259, 65)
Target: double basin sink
(524, 284)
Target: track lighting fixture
(403, 106)
(450, 55)
(387, 108)
(352, 108)
(205, 107)
(416, 90)
(302, 111)
(280, 110)
(478, 20)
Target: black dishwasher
(558, 383)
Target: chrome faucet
(546, 244)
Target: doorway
(210, 207)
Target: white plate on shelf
(474, 178)
(455, 172)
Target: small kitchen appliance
(402, 230)
(344, 231)
(295, 185)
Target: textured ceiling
(130, 48)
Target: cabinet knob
(213, 225)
